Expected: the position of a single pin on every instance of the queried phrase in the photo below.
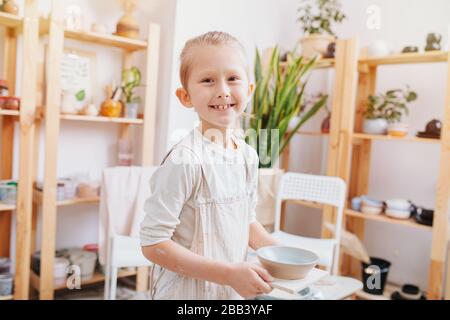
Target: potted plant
(316, 18)
(384, 112)
(131, 79)
(278, 98)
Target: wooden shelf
(37, 198)
(100, 119)
(386, 219)
(357, 136)
(320, 64)
(389, 289)
(97, 277)
(7, 207)
(311, 133)
(98, 38)
(9, 113)
(10, 20)
(10, 297)
(407, 58)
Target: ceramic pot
(315, 44)
(398, 129)
(378, 48)
(131, 110)
(375, 126)
(268, 182)
(325, 127)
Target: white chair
(123, 251)
(321, 189)
(124, 191)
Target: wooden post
(440, 220)
(52, 123)
(27, 117)
(342, 115)
(148, 139)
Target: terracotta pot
(315, 44)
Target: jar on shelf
(9, 103)
(111, 108)
(4, 90)
(8, 192)
(11, 7)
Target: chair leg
(113, 284)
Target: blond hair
(212, 38)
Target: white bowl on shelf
(398, 204)
(371, 210)
(398, 214)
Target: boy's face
(218, 87)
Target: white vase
(378, 48)
(375, 126)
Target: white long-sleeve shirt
(170, 212)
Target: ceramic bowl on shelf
(398, 214)
(398, 204)
(285, 262)
(370, 202)
(398, 129)
(371, 210)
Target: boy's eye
(207, 81)
(233, 78)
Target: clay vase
(127, 25)
(325, 127)
(11, 7)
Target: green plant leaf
(80, 95)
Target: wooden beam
(52, 123)
(27, 117)
(440, 220)
(148, 138)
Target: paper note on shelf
(294, 286)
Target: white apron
(221, 233)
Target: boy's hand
(249, 280)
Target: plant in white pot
(316, 18)
(278, 99)
(131, 79)
(384, 112)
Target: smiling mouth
(222, 107)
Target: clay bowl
(285, 262)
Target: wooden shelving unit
(354, 164)
(345, 66)
(53, 27)
(27, 28)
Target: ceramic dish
(398, 204)
(287, 262)
(371, 210)
(398, 214)
(372, 203)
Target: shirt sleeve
(171, 187)
(254, 164)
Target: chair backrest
(313, 188)
(126, 252)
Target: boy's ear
(184, 98)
